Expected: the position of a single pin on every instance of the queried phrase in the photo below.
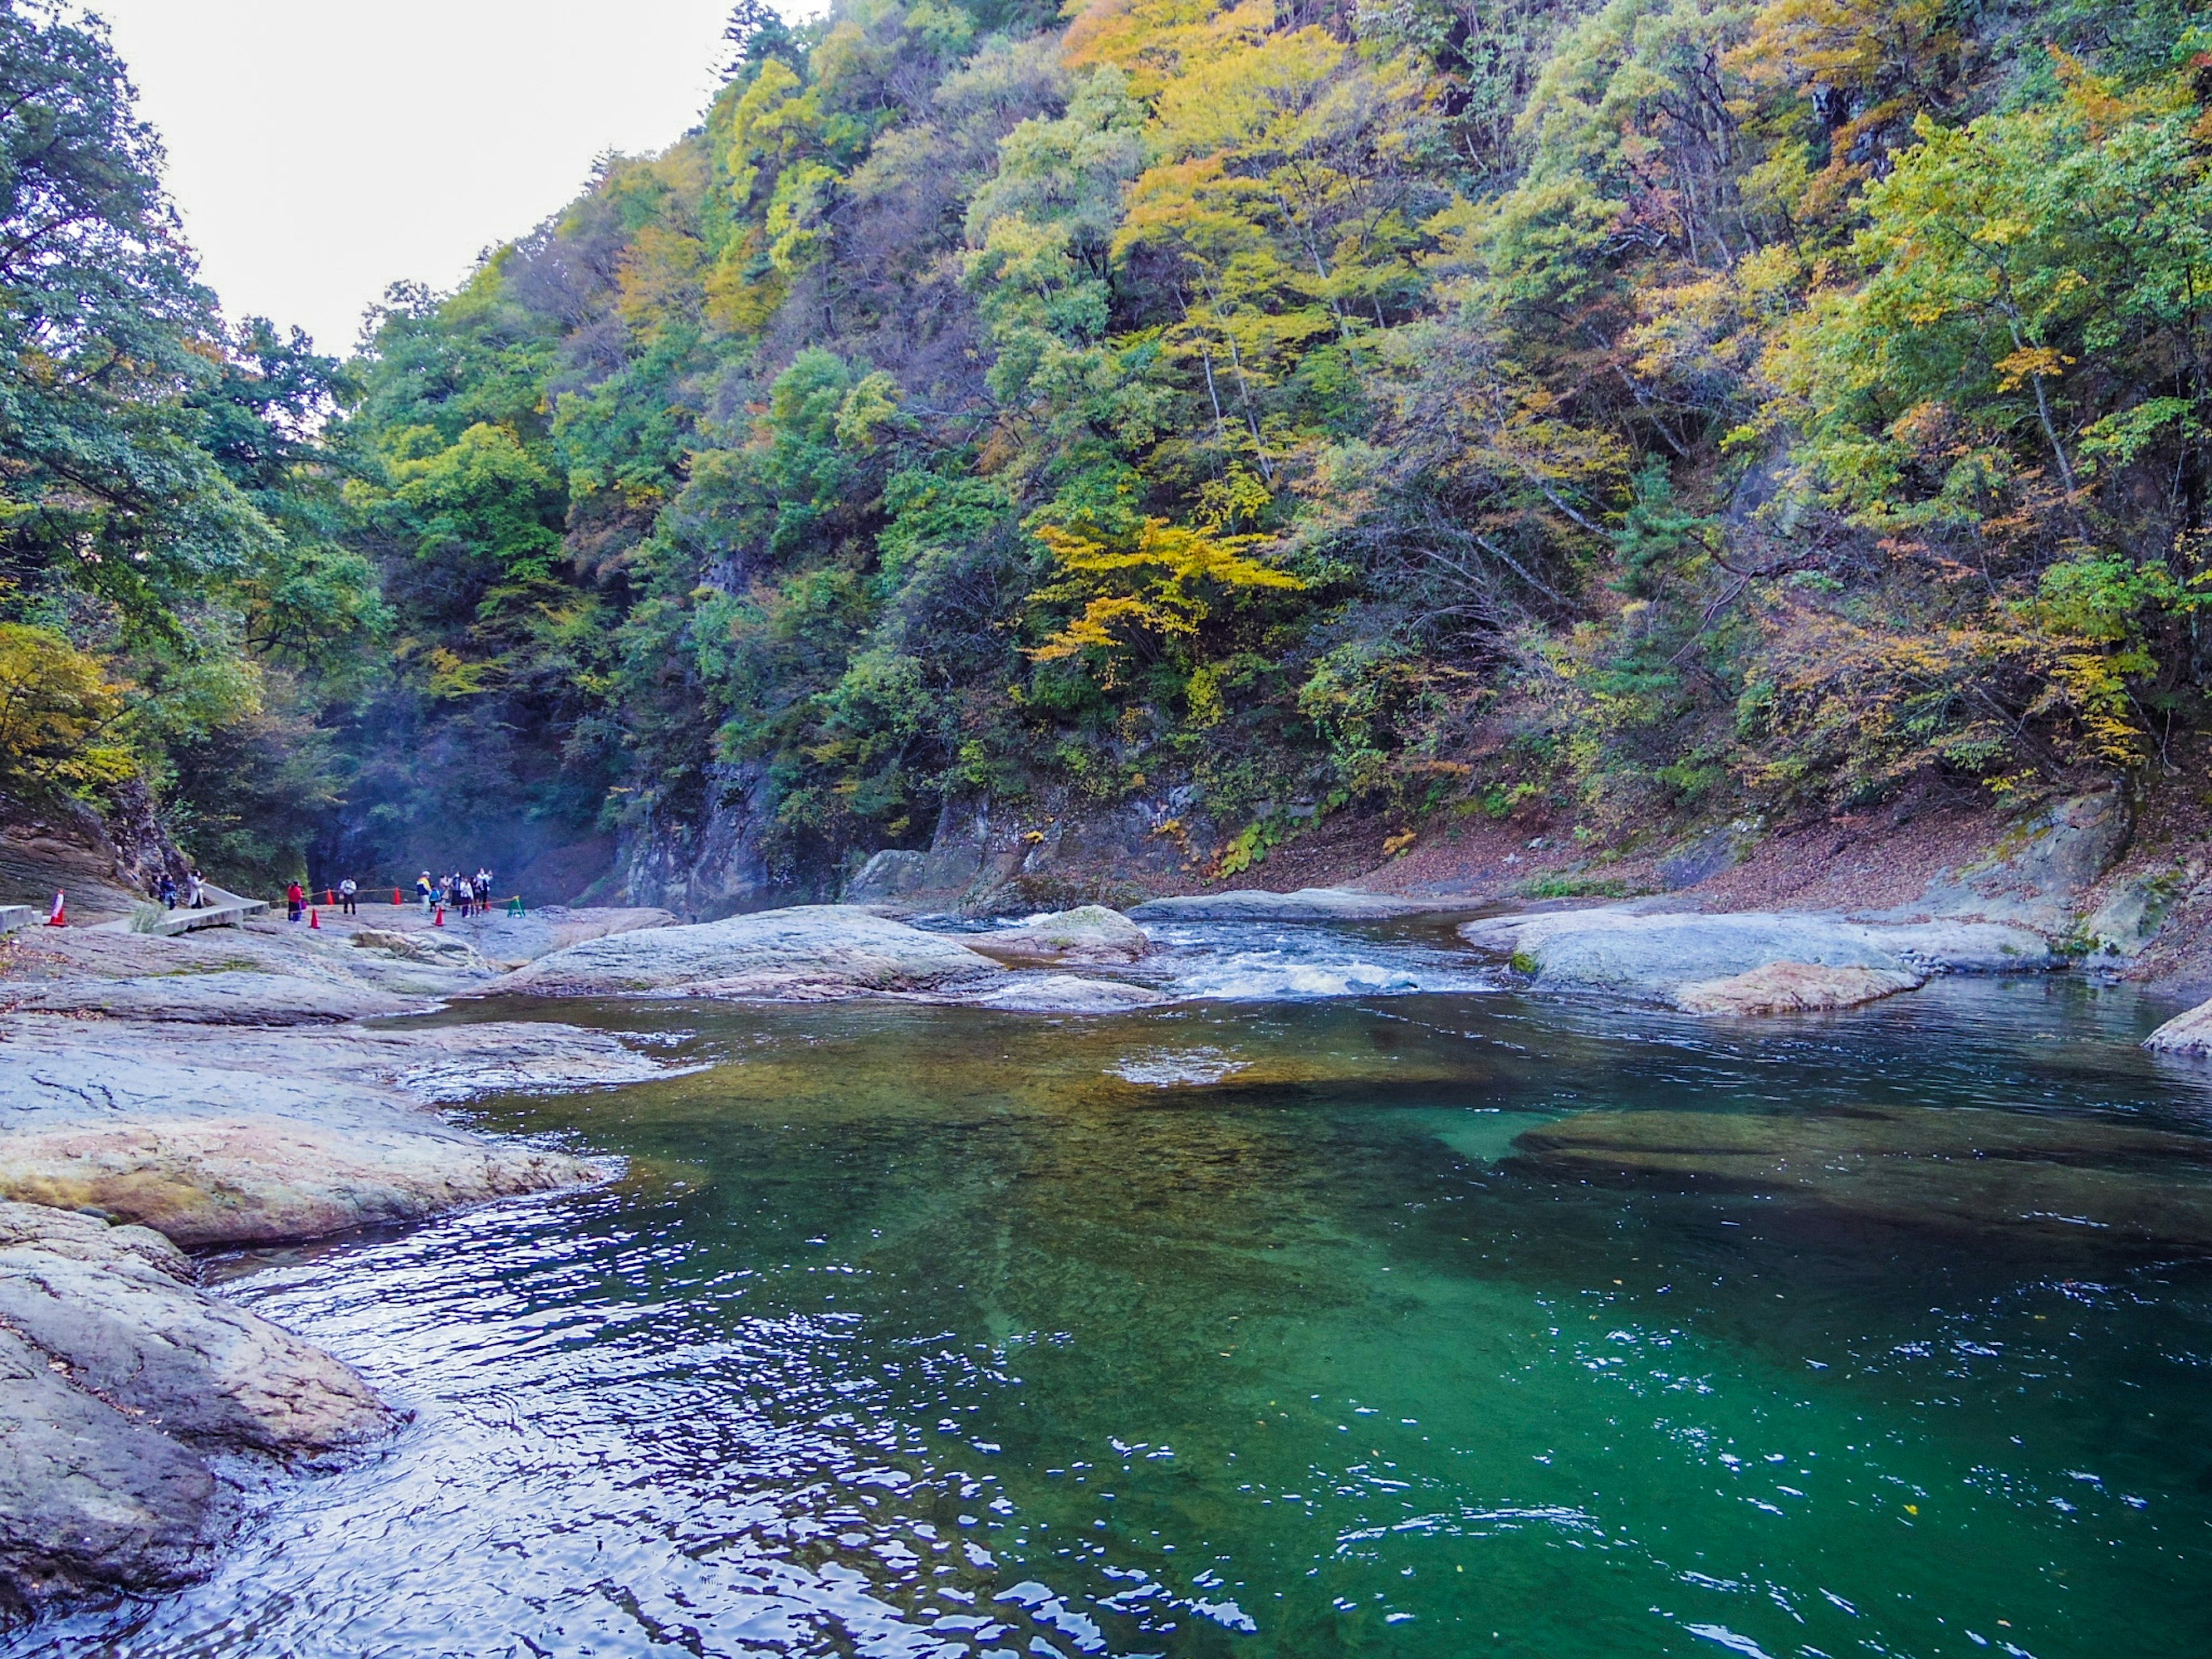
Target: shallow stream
(1243, 1327)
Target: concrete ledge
(222, 910)
(13, 916)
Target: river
(1242, 1326)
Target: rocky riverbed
(230, 1089)
(216, 1090)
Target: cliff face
(106, 862)
(711, 868)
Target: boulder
(434, 945)
(92, 1501)
(117, 1377)
(2184, 1034)
(1254, 904)
(1657, 955)
(1090, 933)
(1064, 993)
(1784, 987)
(551, 928)
(198, 1370)
(2121, 927)
(809, 952)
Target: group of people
(193, 895)
(463, 895)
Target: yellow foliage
(1139, 591)
(54, 701)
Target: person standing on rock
(347, 892)
(295, 898)
(483, 890)
(424, 891)
(168, 891)
(196, 889)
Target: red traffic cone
(314, 918)
(60, 917)
(329, 895)
(395, 898)
(439, 920)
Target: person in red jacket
(294, 897)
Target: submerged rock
(1659, 957)
(1782, 987)
(1090, 933)
(1254, 904)
(2184, 1034)
(808, 952)
(117, 1378)
(2072, 1180)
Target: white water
(1249, 962)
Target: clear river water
(1297, 1319)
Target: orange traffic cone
(314, 918)
(329, 895)
(60, 917)
(395, 898)
(440, 920)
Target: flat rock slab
(1789, 987)
(232, 1152)
(1657, 955)
(1254, 904)
(241, 1180)
(808, 952)
(2074, 1183)
(222, 997)
(1090, 934)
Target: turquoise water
(1239, 1329)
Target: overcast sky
(320, 150)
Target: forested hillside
(1648, 412)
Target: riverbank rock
(1788, 987)
(1066, 993)
(2066, 1183)
(232, 1152)
(1658, 956)
(2184, 1034)
(809, 952)
(221, 998)
(1254, 904)
(1089, 934)
(2035, 875)
(118, 1378)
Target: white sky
(321, 150)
